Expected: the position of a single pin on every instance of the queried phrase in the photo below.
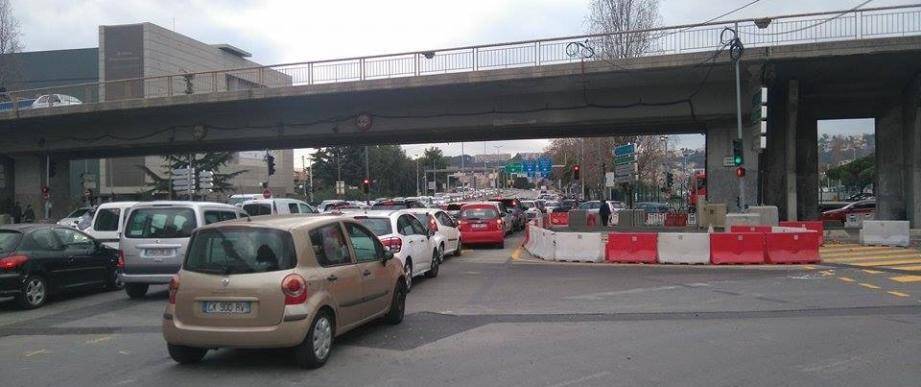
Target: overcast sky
(302, 30)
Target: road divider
(579, 247)
(684, 248)
(885, 233)
(631, 247)
(792, 247)
(736, 248)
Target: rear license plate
(479, 226)
(226, 307)
(160, 252)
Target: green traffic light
(737, 160)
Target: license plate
(226, 307)
(160, 252)
(479, 226)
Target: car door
(84, 266)
(375, 277)
(423, 243)
(339, 271)
(44, 247)
(410, 241)
(447, 226)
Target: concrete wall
(911, 150)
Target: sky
(280, 31)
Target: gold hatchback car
(276, 282)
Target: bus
(697, 185)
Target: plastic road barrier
(532, 236)
(579, 246)
(559, 219)
(655, 219)
(885, 233)
(632, 247)
(746, 228)
(792, 247)
(692, 248)
(814, 225)
(547, 245)
(676, 220)
(736, 248)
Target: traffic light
(575, 173)
(366, 185)
(740, 171)
(270, 161)
(737, 158)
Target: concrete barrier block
(547, 245)
(579, 247)
(746, 219)
(885, 233)
(768, 214)
(690, 248)
(712, 215)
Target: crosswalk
(905, 262)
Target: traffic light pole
(191, 177)
(739, 126)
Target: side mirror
(388, 255)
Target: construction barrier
(655, 219)
(736, 248)
(691, 248)
(630, 247)
(747, 228)
(814, 225)
(579, 246)
(792, 247)
(532, 237)
(559, 219)
(676, 220)
(768, 214)
(885, 233)
(591, 220)
(742, 219)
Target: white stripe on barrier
(691, 248)
(885, 232)
(579, 246)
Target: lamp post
(497, 164)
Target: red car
(862, 208)
(481, 223)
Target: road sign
(728, 162)
(625, 149)
(513, 167)
(340, 187)
(609, 179)
(625, 159)
(624, 164)
(267, 193)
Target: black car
(39, 260)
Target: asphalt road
(489, 319)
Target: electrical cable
(821, 22)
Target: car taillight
(394, 244)
(13, 262)
(433, 225)
(499, 221)
(173, 288)
(121, 259)
(295, 288)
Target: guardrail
(756, 32)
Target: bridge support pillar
(890, 203)
(30, 175)
(912, 151)
(722, 182)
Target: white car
(410, 241)
(447, 236)
(109, 222)
(50, 100)
(73, 219)
(277, 207)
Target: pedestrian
(28, 216)
(605, 213)
(17, 213)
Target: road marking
(808, 267)
(98, 340)
(516, 255)
(887, 263)
(33, 353)
(898, 294)
(846, 279)
(909, 268)
(582, 379)
(873, 258)
(906, 278)
(869, 286)
(867, 255)
(871, 271)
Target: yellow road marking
(871, 271)
(846, 279)
(909, 268)
(33, 353)
(866, 253)
(874, 258)
(887, 263)
(906, 278)
(898, 294)
(808, 267)
(852, 249)
(516, 255)
(870, 286)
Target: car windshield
(379, 226)
(77, 213)
(240, 250)
(479, 213)
(256, 209)
(9, 240)
(160, 223)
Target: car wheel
(408, 272)
(460, 250)
(502, 245)
(115, 283)
(315, 349)
(185, 355)
(33, 294)
(136, 291)
(436, 263)
(398, 305)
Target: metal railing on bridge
(756, 32)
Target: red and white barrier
(736, 248)
(687, 248)
(631, 247)
(792, 247)
(579, 246)
(813, 225)
(559, 219)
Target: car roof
(471, 204)
(24, 227)
(186, 204)
(378, 213)
(269, 201)
(280, 222)
(117, 204)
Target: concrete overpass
(535, 90)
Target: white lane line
(602, 295)
(581, 380)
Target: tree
(213, 161)
(856, 175)
(620, 20)
(388, 166)
(9, 44)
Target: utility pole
(739, 120)
(463, 173)
(338, 170)
(311, 180)
(191, 177)
(417, 178)
(582, 162)
(367, 176)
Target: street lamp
(497, 164)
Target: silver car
(155, 238)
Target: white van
(108, 222)
(155, 238)
(277, 207)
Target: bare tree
(625, 24)
(9, 44)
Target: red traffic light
(740, 171)
(366, 181)
(45, 189)
(575, 168)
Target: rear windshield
(160, 223)
(257, 209)
(379, 226)
(9, 240)
(453, 207)
(479, 213)
(77, 213)
(107, 219)
(390, 206)
(240, 250)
